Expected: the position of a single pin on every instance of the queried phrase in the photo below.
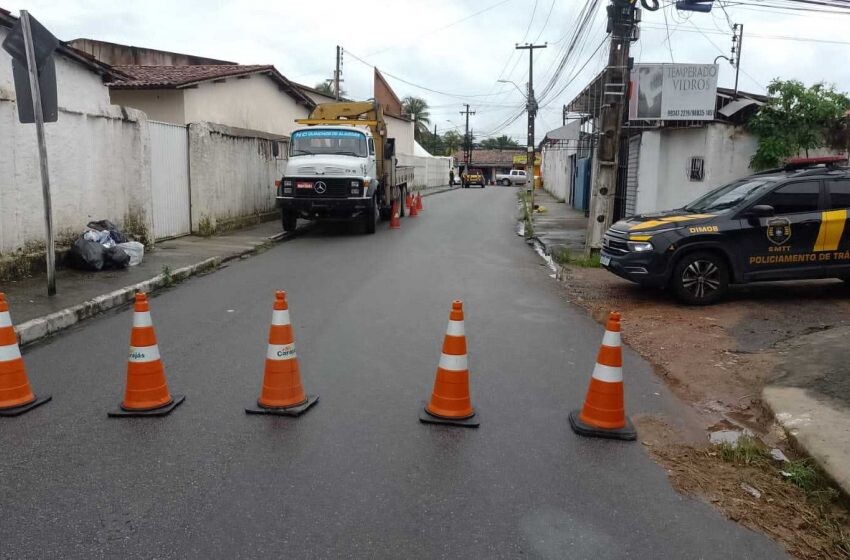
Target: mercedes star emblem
(320, 187)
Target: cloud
(422, 42)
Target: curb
(425, 192)
(36, 329)
(805, 421)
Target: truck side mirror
(389, 151)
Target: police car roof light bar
(802, 162)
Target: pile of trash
(104, 246)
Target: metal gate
(632, 175)
(170, 180)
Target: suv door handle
(810, 222)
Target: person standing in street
(451, 177)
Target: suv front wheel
(700, 278)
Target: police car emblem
(779, 231)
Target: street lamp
(531, 108)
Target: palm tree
(325, 87)
(451, 141)
(417, 108)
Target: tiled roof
(177, 77)
(149, 77)
(493, 157)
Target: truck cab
(338, 169)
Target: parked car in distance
(473, 177)
(515, 177)
(782, 224)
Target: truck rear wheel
(401, 198)
(370, 217)
(289, 220)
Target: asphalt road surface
(357, 476)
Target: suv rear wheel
(700, 278)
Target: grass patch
(746, 451)
(167, 278)
(565, 257)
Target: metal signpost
(38, 57)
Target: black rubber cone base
(288, 411)
(176, 401)
(627, 433)
(427, 418)
(18, 410)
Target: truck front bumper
(325, 208)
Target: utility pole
(564, 116)
(467, 141)
(531, 109)
(621, 21)
(337, 72)
(737, 43)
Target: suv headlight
(640, 246)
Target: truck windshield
(729, 196)
(328, 141)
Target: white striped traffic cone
(16, 396)
(603, 414)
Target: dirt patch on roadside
(718, 357)
(810, 524)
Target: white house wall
(98, 156)
(557, 178)
(665, 155)
(165, 105)
(252, 103)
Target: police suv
(782, 224)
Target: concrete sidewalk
(810, 398)
(560, 227)
(81, 295)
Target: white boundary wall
(428, 171)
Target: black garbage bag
(105, 225)
(115, 257)
(86, 255)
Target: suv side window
(794, 198)
(839, 194)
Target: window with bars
(696, 168)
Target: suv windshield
(729, 196)
(328, 141)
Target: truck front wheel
(289, 219)
(370, 216)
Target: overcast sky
(458, 47)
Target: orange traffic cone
(603, 414)
(146, 392)
(450, 403)
(419, 202)
(282, 393)
(395, 222)
(16, 396)
(407, 200)
(414, 211)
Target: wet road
(357, 476)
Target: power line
(545, 23)
(753, 35)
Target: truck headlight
(355, 191)
(640, 246)
(355, 183)
(287, 183)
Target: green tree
(795, 119)
(503, 142)
(451, 142)
(327, 87)
(417, 108)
